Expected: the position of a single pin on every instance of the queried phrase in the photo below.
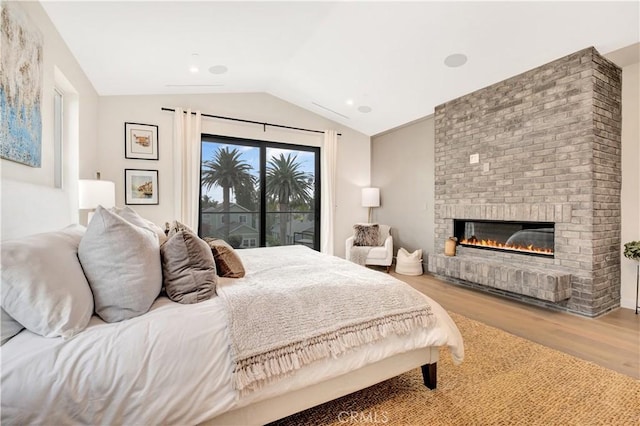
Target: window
(58, 125)
(259, 193)
(249, 242)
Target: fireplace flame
(495, 244)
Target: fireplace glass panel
(536, 238)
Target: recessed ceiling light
(194, 66)
(349, 102)
(218, 69)
(364, 109)
(455, 60)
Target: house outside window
(259, 193)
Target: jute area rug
(504, 380)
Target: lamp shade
(94, 193)
(370, 197)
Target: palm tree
(286, 185)
(228, 171)
(206, 202)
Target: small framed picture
(141, 186)
(140, 141)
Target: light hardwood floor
(611, 340)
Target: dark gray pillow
(175, 227)
(366, 235)
(188, 268)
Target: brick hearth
(549, 144)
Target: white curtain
(328, 195)
(186, 166)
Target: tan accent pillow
(228, 262)
(366, 235)
(188, 268)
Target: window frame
(263, 145)
(58, 137)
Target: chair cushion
(366, 235)
(377, 253)
(385, 231)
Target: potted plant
(632, 251)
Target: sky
(251, 155)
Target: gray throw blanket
(359, 254)
(296, 306)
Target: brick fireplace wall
(549, 143)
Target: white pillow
(9, 326)
(43, 285)
(132, 216)
(122, 264)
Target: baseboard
(629, 303)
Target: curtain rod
(264, 125)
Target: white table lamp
(370, 198)
(94, 193)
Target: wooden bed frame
(22, 207)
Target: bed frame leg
(430, 375)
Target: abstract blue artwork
(20, 87)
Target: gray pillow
(122, 264)
(366, 235)
(43, 285)
(132, 216)
(188, 268)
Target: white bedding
(171, 366)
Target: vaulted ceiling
(371, 66)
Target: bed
(175, 363)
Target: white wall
(58, 64)
(630, 179)
(403, 167)
(353, 147)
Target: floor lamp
(370, 199)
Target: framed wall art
(140, 141)
(141, 186)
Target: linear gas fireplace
(533, 238)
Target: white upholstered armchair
(380, 254)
